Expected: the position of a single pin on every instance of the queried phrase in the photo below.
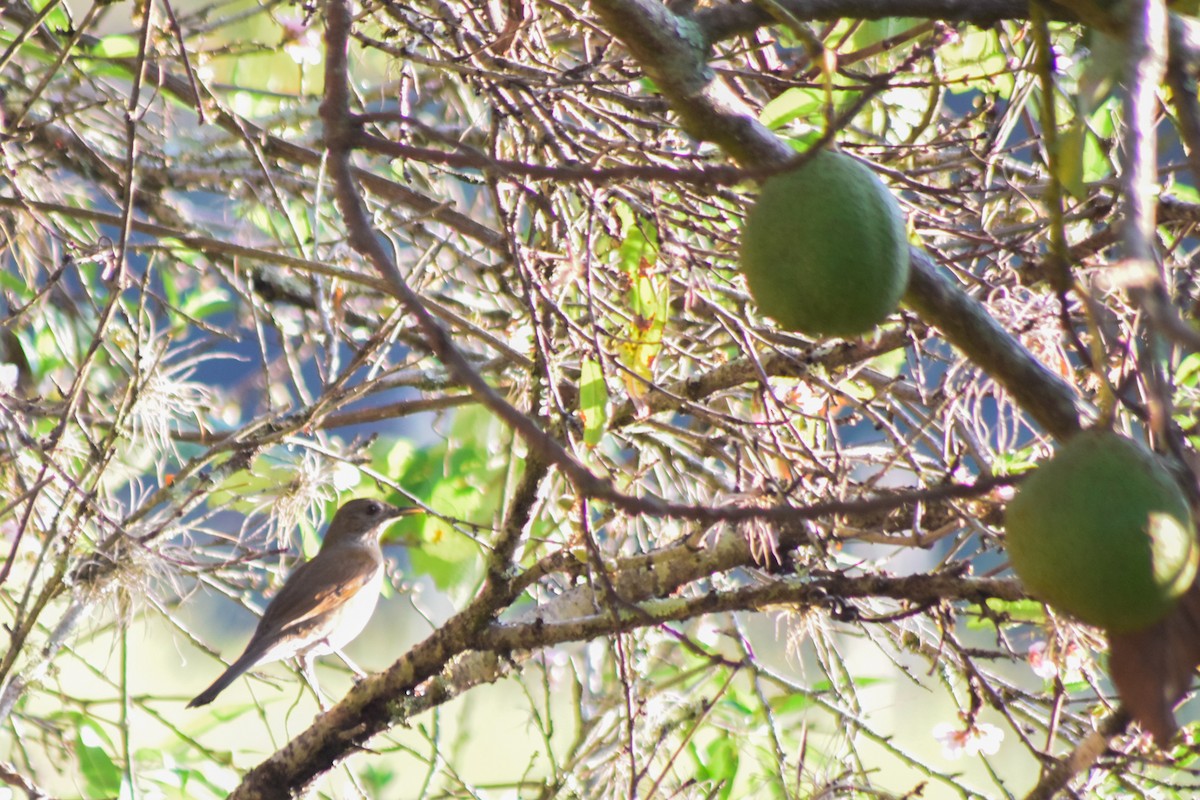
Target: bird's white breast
(354, 616)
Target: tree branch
(662, 43)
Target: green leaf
(206, 303)
(81, 229)
(1188, 372)
(29, 48)
(57, 20)
(116, 46)
(719, 764)
(185, 253)
(977, 62)
(1102, 70)
(792, 104)
(461, 478)
(1014, 462)
(826, 686)
(647, 300)
(593, 401)
(101, 775)
(378, 778)
(639, 241)
(1017, 611)
(1068, 161)
(869, 32)
(55, 343)
(243, 490)
(891, 363)
(791, 704)
(12, 280)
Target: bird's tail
(227, 677)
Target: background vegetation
(260, 258)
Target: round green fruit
(1102, 532)
(824, 249)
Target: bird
(326, 601)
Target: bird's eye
(373, 509)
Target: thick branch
(967, 323)
(722, 22)
(798, 593)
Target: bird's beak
(405, 511)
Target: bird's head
(362, 519)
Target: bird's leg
(359, 674)
(307, 668)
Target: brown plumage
(326, 601)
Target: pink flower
(300, 41)
(1067, 662)
(974, 740)
(1042, 665)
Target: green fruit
(1102, 532)
(824, 249)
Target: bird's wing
(301, 602)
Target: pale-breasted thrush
(326, 601)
